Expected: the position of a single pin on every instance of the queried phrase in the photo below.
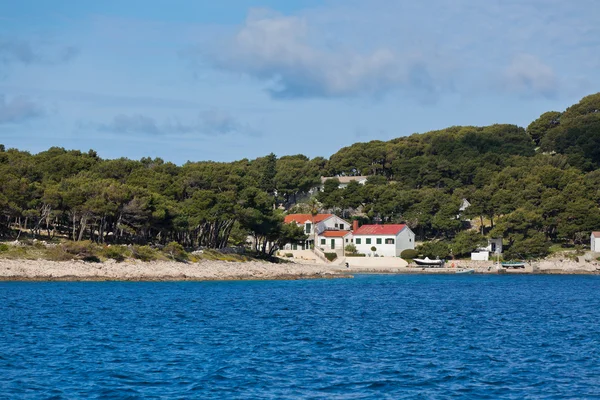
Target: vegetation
(533, 187)
(330, 256)
(409, 254)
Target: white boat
(465, 271)
(428, 262)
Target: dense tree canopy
(530, 197)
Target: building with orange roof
(383, 240)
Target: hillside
(534, 187)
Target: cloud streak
(211, 122)
(18, 110)
(528, 75)
(16, 50)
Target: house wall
(595, 244)
(480, 256)
(339, 243)
(332, 223)
(386, 250)
(406, 240)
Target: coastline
(171, 271)
(160, 271)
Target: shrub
(409, 254)
(117, 253)
(58, 253)
(351, 248)
(143, 253)
(289, 254)
(176, 252)
(434, 250)
(331, 256)
(373, 249)
(4, 248)
(84, 250)
(356, 255)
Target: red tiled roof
(596, 234)
(379, 229)
(302, 218)
(334, 233)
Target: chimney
(355, 225)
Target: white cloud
(286, 52)
(210, 122)
(528, 75)
(17, 50)
(18, 109)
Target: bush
(409, 254)
(331, 256)
(4, 248)
(434, 250)
(373, 249)
(289, 254)
(84, 250)
(176, 252)
(117, 253)
(351, 248)
(58, 253)
(356, 255)
(143, 253)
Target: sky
(195, 80)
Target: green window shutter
(323, 241)
(357, 241)
(368, 241)
(378, 240)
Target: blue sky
(230, 79)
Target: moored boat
(427, 262)
(465, 271)
(513, 264)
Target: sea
(371, 337)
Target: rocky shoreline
(155, 271)
(41, 270)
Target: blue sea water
(369, 337)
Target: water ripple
(375, 337)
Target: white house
(318, 223)
(595, 242)
(483, 254)
(344, 180)
(334, 240)
(388, 240)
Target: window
(336, 225)
(357, 241)
(323, 241)
(307, 227)
(378, 240)
(342, 227)
(368, 241)
(389, 241)
(410, 240)
(346, 240)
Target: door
(332, 244)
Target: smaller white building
(483, 254)
(387, 240)
(595, 242)
(344, 180)
(330, 241)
